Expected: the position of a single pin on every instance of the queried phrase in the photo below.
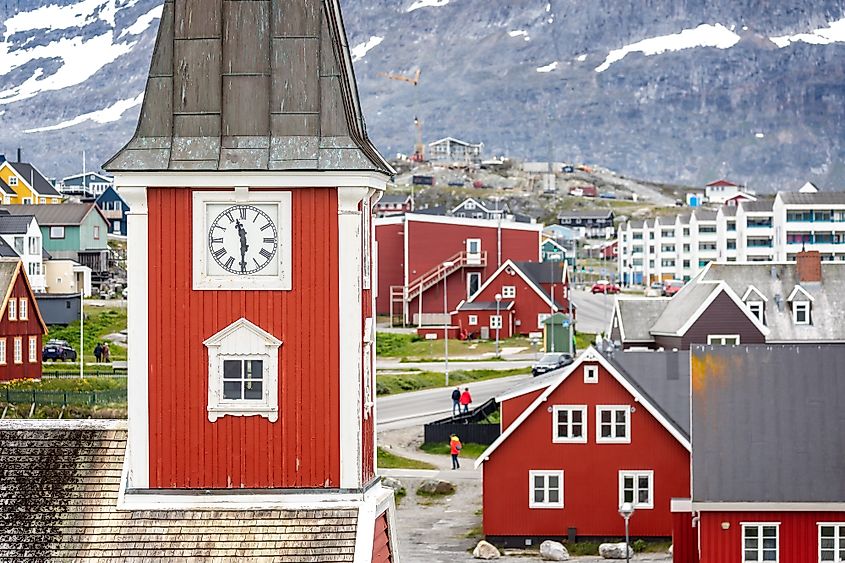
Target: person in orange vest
(455, 449)
(466, 399)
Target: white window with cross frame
(569, 424)
(613, 424)
(760, 542)
(832, 541)
(545, 489)
(637, 488)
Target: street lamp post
(499, 321)
(446, 319)
(626, 511)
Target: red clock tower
(251, 183)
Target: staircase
(401, 297)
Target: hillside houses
(21, 183)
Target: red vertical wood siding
(302, 448)
(591, 470)
(23, 329)
(368, 470)
(461, 320)
(684, 538)
(390, 241)
(381, 541)
(512, 408)
(723, 316)
(798, 534)
(527, 305)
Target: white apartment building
(753, 231)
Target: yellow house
(22, 183)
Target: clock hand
(244, 245)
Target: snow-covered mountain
(674, 90)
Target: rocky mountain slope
(671, 90)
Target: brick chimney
(809, 264)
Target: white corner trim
(137, 261)
(751, 289)
(350, 339)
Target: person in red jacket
(455, 449)
(466, 399)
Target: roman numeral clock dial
(243, 240)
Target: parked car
(604, 286)
(58, 350)
(654, 290)
(672, 287)
(550, 362)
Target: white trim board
(795, 291)
(751, 289)
(480, 223)
(286, 180)
(590, 355)
(769, 506)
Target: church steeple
(250, 85)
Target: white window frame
(759, 548)
(508, 292)
(472, 320)
(545, 475)
(808, 310)
(496, 322)
(470, 242)
(470, 276)
(719, 339)
(57, 232)
(23, 309)
(838, 537)
(569, 439)
(96, 232)
(758, 309)
(636, 476)
(613, 439)
(33, 349)
(13, 309)
(591, 373)
(242, 340)
(116, 226)
(13, 180)
(18, 350)
(3, 351)
(541, 318)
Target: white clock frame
(202, 280)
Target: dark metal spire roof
(250, 85)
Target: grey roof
(796, 198)
(776, 282)
(88, 177)
(729, 210)
(60, 214)
(394, 198)
(31, 175)
(59, 486)
(436, 210)
(705, 215)
(7, 276)
(542, 272)
(14, 224)
(636, 224)
(663, 377)
(586, 214)
(684, 218)
(7, 251)
(682, 307)
(6, 188)
(761, 206)
(768, 423)
(262, 85)
(638, 315)
(485, 306)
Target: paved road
(391, 365)
(594, 311)
(417, 408)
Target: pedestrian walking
(106, 353)
(455, 449)
(98, 352)
(456, 400)
(466, 399)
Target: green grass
(392, 384)
(494, 418)
(639, 546)
(411, 346)
(86, 384)
(71, 412)
(584, 340)
(468, 450)
(389, 460)
(99, 322)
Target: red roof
(721, 182)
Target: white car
(654, 290)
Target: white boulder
(485, 550)
(614, 550)
(553, 551)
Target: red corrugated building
(21, 325)
(413, 248)
(763, 490)
(610, 428)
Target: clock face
(243, 240)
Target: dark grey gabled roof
(542, 272)
(394, 198)
(485, 306)
(637, 315)
(586, 214)
(14, 224)
(682, 307)
(261, 85)
(767, 423)
(7, 251)
(796, 198)
(663, 377)
(33, 177)
(761, 206)
(6, 188)
(59, 214)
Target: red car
(604, 286)
(672, 287)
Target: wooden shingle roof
(59, 488)
(251, 86)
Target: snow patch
(106, 115)
(705, 35)
(549, 67)
(426, 4)
(55, 17)
(360, 51)
(760, 135)
(520, 33)
(581, 58)
(834, 33)
(143, 23)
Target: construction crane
(414, 80)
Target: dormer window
(470, 205)
(243, 372)
(801, 312)
(757, 308)
(13, 180)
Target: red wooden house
(21, 325)
(767, 464)
(530, 292)
(611, 428)
(416, 252)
